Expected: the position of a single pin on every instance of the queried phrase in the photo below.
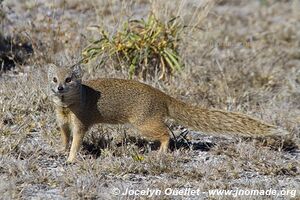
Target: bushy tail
(217, 122)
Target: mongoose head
(64, 84)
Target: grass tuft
(144, 46)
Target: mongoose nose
(60, 88)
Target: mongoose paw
(67, 163)
(70, 161)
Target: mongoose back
(79, 105)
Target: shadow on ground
(14, 51)
(95, 147)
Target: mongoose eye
(68, 80)
(55, 80)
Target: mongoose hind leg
(155, 129)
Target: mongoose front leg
(78, 134)
(65, 136)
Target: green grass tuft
(144, 46)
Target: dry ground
(244, 56)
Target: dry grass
(242, 56)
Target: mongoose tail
(217, 122)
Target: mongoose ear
(77, 72)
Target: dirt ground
(241, 56)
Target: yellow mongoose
(80, 105)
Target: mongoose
(79, 105)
